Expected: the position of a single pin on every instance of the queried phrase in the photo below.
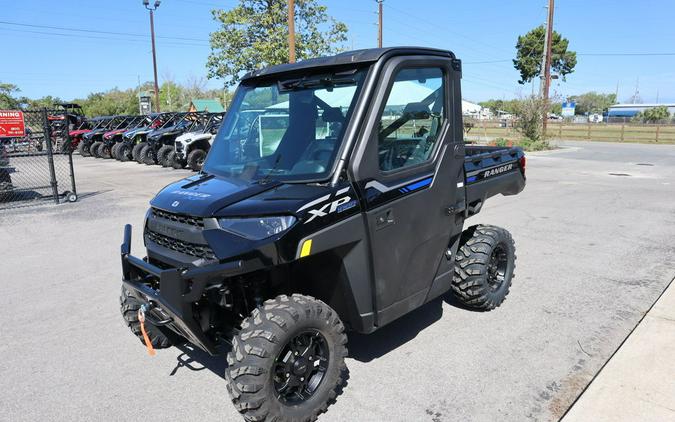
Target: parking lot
(594, 234)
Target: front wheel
(83, 149)
(174, 161)
(288, 361)
(136, 152)
(147, 155)
(163, 155)
(93, 149)
(195, 159)
(160, 337)
(484, 267)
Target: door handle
(456, 209)
(384, 219)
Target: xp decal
(338, 205)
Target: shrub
(530, 114)
(501, 142)
(534, 145)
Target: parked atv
(6, 186)
(191, 148)
(99, 148)
(348, 216)
(88, 143)
(110, 139)
(157, 150)
(136, 139)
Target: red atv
(67, 118)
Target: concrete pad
(638, 383)
(594, 253)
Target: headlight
(257, 228)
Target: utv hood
(112, 133)
(139, 131)
(203, 195)
(215, 196)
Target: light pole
(146, 3)
(291, 31)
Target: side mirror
(417, 111)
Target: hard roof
(349, 57)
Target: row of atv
(175, 140)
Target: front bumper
(178, 290)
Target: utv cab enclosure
(344, 215)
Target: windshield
(286, 130)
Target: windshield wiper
(328, 81)
(266, 179)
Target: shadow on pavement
(195, 359)
(367, 347)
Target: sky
(622, 44)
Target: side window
(411, 119)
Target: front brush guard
(178, 290)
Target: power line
(78, 36)
(625, 54)
(489, 62)
(61, 28)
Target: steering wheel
(400, 153)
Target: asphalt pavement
(594, 234)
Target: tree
(653, 115)
(254, 34)
(514, 106)
(44, 102)
(530, 50)
(593, 102)
(7, 98)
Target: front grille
(192, 249)
(178, 218)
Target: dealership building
(625, 112)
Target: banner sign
(568, 109)
(12, 124)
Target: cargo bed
(489, 171)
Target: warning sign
(11, 123)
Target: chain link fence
(37, 166)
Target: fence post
(560, 131)
(50, 155)
(658, 129)
(588, 136)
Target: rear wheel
(163, 155)
(484, 267)
(136, 152)
(287, 362)
(195, 159)
(161, 338)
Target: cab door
(408, 166)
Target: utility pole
(379, 23)
(146, 3)
(548, 44)
(291, 31)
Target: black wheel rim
(301, 367)
(497, 267)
